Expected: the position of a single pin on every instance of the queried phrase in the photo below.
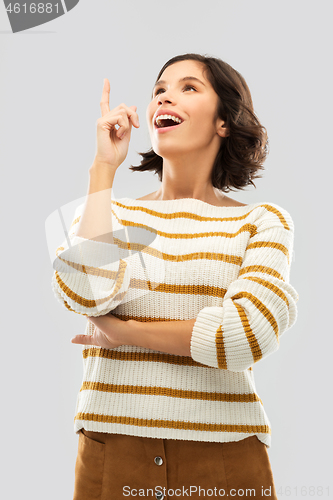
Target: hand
(109, 332)
(112, 143)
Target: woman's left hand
(109, 332)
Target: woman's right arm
(90, 278)
(112, 147)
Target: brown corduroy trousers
(117, 466)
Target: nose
(165, 97)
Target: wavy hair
(243, 152)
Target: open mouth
(164, 121)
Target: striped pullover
(181, 259)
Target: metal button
(159, 495)
(158, 461)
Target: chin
(169, 149)
(170, 152)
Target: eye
(158, 91)
(190, 87)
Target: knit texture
(229, 268)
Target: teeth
(166, 117)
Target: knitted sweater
(181, 259)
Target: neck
(188, 177)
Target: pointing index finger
(105, 108)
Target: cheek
(203, 123)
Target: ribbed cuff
(203, 344)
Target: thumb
(82, 339)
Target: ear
(221, 129)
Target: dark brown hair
(244, 151)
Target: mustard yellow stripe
(75, 221)
(117, 275)
(262, 308)
(172, 424)
(261, 269)
(173, 393)
(93, 271)
(177, 215)
(156, 357)
(72, 310)
(220, 349)
(138, 247)
(251, 338)
(120, 296)
(278, 213)
(213, 291)
(93, 303)
(144, 319)
(190, 215)
(270, 286)
(270, 244)
(140, 356)
(174, 215)
(250, 228)
(231, 259)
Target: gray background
(50, 89)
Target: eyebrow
(160, 82)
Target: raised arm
(112, 148)
(90, 276)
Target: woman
(184, 290)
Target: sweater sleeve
(90, 278)
(258, 307)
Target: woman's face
(194, 101)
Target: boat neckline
(177, 200)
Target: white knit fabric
(229, 268)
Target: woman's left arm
(259, 306)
